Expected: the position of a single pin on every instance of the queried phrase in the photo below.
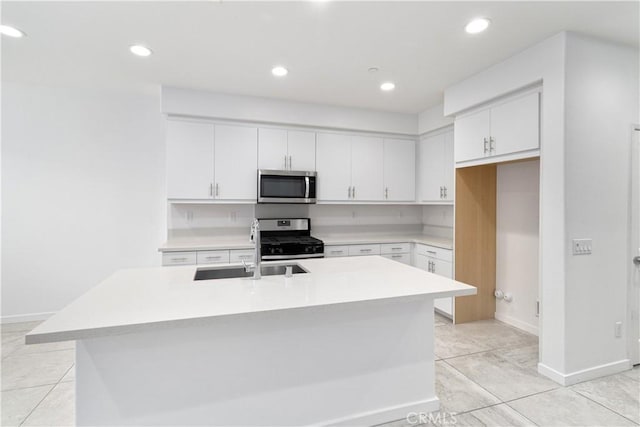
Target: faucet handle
(246, 267)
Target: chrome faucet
(255, 238)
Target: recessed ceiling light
(387, 86)
(279, 71)
(140, 50)
(11, 31)
(477, 25)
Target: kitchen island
(348, 342)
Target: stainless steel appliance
(288, 238)
(280, 186)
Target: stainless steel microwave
(280, 186)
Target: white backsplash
(214, 220)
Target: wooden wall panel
(475, 241)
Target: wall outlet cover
(582, 246)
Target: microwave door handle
(306, 182)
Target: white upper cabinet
(333, 163)
(515, 125)
(507, 131)
(367, 159)
(286, 150)
(189, 160)
(302, 150)
(436, 168)
(472, 136)
(236, 162)
(272, 149)
(399, 170)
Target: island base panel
(360, 363)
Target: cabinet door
(431, 168)
(422, 262)
(333, 163)
(449, 167)
(442, 268)
(367, 166)
(189, 160)
(399, 170)
(470, 132)
(302, 150)
(272, 149)
(515, 125)
(236, 162)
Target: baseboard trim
(385, 415)
(17, 318)
(517, 323)
(585, 374)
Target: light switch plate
(582, 246)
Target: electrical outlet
(582, 246)
(618, 329)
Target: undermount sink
(209, 273)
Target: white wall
(437, 220)
(517, 242)
(198, 103)
(601, 107)
(82, 191)
(542, 62)
(432, 119)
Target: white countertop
(227, 242)
(141, 299)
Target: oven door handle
(285, 257)
(306, 186)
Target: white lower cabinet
(178, 258)
(213, 257)
(400, 252)
(356, 250)
(438, 261)
(239, 255)
(336, 251)
(403, 258)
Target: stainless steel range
(288, 238)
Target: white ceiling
(328, 46)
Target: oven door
(286, 186)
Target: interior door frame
(633, 310)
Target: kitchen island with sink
(341, 341)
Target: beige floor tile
(39, 348)
(458, 393)
(565, 407)
(634, 373)
(30, 370)
(495, 334)
(526, 356)
(616, 392)
(441, 320)
(501, 377)
(70, 375)
(19, 327)
(451, 342)
(57, 409)
(17, 404)
(493, 416)
(11, 341)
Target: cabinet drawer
(403, 258)
(178, 258)
(395, 248)
(213, 257)
(364, 250)
(239, 255)
(336, 251)
(433, 252)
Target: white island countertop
(135, 300)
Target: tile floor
(486, 373)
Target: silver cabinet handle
(290, 167)
(245, 256)
(217, 189)
(396, 249)
(213, 257)
(353, 192)
(178, 259)
(396, 256)
(441, 192)
(365, 250)
(349, 192)
(336, 252)
(386, 192)
(485, 145)
(431, 252)
(211, 190)
(445, 192)
(491, 145)
(285, 162)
